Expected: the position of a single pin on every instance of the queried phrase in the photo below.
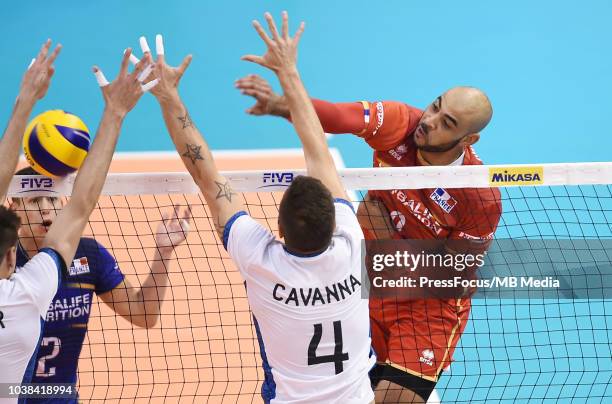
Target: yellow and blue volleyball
(56, 143)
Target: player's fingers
(123, 71)
(165, 217)
(259, 80)
(187, 214)
(144, 45)
(176, 209)
(142, 76)
(253, 93)
(31, 63)
(299, 32)
(141, 66)
(133, 59)
(159, 48)
(285, 27)
(44, 49)
(272, 26)
(249, 84)
(53, 56)
(258, 93)
(184, 64)
(262, 33)
(102, 82)
(253, 58)
(147, 86)
(255, 110)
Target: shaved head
(472, 105)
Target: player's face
(441, 128)
(37, 215)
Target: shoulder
(90, 248)
(389, 123)
(87, 242)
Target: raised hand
(267, 101)
(173, 231)
(37, 78)
(167, 77)
(122, 94)
(282, 49)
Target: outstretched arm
(120, 97)
(281, 58)
(33, 87)
(195, 153)
(342, 117)
(142, 305)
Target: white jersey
(24, 300)
(311, 320)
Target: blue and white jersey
(24, 300)
(312, 323)
(93, 270)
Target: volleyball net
(516, 346)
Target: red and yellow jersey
(432, 213)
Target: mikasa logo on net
(528, 175)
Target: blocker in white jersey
(24, 300)
(312, 324)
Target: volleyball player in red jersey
(414, 339)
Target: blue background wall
(546, 65)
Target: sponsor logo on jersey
(69, 307)
(36, 184)
(418, 210)
(79, 266)
(398, 151)
(476, 238)
(275, 179)
(443, 199)
(528, 175)
(398, 220)
(380, 116)
(427, 357)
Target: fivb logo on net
(276, 179)
(32, 184)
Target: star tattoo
(186, 120)
(225, 190)
(193, 153)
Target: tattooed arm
(221, 199)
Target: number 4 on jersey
(337, 358)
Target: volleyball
(56, 143)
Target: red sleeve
(389, 123)
(340, 117)
(383, 124)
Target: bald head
(470, 105)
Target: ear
(281, 233)
(471, 139)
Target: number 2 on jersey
(40, 369)
(338, 356)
